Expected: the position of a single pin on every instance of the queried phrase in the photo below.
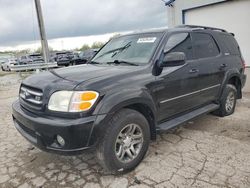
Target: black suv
(63, 58)
(136, 86)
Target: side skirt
(163, 127)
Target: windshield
(136, 48)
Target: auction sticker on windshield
(146, 40)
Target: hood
(87, 72)
(71, 76)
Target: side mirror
(173, 59)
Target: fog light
(60, 140)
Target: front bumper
(42, 131)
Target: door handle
(193, 71)
(223, 65)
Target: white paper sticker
(146, 40)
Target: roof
(177, 28)
(145, 31)
(201, 27)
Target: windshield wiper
(120, 49)
(117, 62)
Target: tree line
(84, 47)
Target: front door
(176, 86)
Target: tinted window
(180, 42)
(230, 44)
(204, 45)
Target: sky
(72, 23)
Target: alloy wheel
(129, 143)
(230, 102)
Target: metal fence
(33, 66)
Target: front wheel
(228, 101)
(125, 142)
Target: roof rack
(201, 27)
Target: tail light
(244, 65)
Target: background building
(232, 15)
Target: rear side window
(231, 45)
(204, 45)
(180, 42)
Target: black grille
(31, 97)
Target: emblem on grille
(37, 98)
(26, 94)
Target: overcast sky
(73, 18)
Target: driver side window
(180, 42)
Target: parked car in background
(36, 58)
(76, 59)
(4, 57)
(87, 55)
(2, 60)
(6, 66)
(31, 58)
(64, 58)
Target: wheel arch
(232, 77)
(140, 101)
(147, 112)
(236, 81)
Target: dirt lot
(209, 152)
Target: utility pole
(171, 12)
(44, 43)
(171, 16)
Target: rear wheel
(125, 142)
(228, 101)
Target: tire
(228, 101)
(108, 148)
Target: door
(211, 69)
(175, 85)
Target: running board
(186, 117)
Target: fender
(229, 74)
(112, 103)
(122, 98)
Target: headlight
(72, 101)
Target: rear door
(210, 67)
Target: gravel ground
(207, 152)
